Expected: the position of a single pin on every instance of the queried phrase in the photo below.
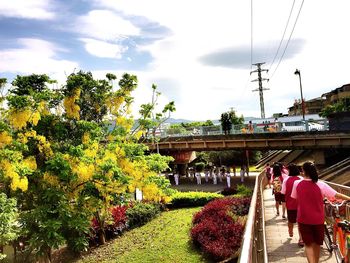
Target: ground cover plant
(164, 239)
(218, 227)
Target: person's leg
(316, 251)
(290, 229)
(283, 209)
(278, 208)
(309, 253)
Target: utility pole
(260, 89)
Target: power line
(285, 29)
(290, 36)
(251, 34)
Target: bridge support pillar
(318, 156)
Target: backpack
(277, 184)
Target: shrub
(192, 199)
(216, 230)
(119, 216)
(243, 190)
(141, 213)
(229, 191)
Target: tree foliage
(67, 154)
(8, 221)
(230, 118)
(342, 105)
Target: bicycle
(337, 234)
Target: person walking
(214, 176)
(241, 172)
(219, 173)
(176, 178)
(206, 174)
(228, 178)
(291, 203)
(198, 177)
(268, 174)
(277, 180)
(309, 193)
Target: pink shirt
(287, 187)
(310, 200)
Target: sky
(198, 52)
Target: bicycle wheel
(327, 239)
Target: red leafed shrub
(215, 230)
(239, 206)
(119, 215)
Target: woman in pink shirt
(310, 193)
(291, 203)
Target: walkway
(281, 247)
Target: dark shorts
(312, 233)
(279, 197)
(292, 216)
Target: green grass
(164, 239)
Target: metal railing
(321, 125)
(343, 190)
(254, 239)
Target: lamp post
(297, 72)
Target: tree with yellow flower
(67, 154)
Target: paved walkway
(281, 247)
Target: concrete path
(281, 247)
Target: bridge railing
(253, 249)
(320, 125)
(343, 190)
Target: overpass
(319, 140)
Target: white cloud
(34, 56)
(103, 49)
(104, 25)
(201, 27)
(29, 9)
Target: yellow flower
(71, 108)
(5, 139)
(35, 117)
(86, 138)
(30, 162)
(50, 179)
(19, 118)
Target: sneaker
(301, 243)
(284, 217)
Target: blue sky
(198, 52)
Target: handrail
(340, 188)
(254, 239)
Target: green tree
(150, 120)
(67, 154)
(229, 119)
(342, 105)
(8, 221)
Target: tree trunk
(101, 237)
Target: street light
(297, 72)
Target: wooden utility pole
(260, 89)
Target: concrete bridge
(259, 141)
